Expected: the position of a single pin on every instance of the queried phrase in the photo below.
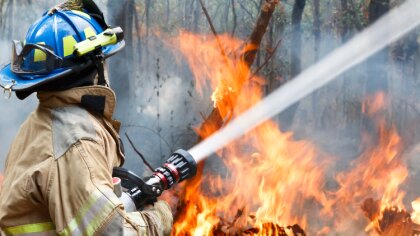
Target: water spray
(386, 30)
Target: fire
(285, 177)
(374, 104)
(274, 181)
(278, 164)
(378, 173)
(416, 207)
(217, 66)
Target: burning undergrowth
(277, 185)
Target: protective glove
(160, 211)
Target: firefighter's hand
(171, 197)
(166, 216)
(160, 216)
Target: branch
(259, 30)
(139, 153)
(222, 51)
(266, 61)
(246, 10)
(234, 17)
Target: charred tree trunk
(274, 75)
(123, 15)
(147, 13)
(168, 11)
(345, 20)
(317, 29)
(377, 65)
(317, 44)
(197, 17)
(286, 118)
(234, 18)
(377, 69)
(226, 13)
(188, 14)
(149, 5)
(297, 13)
(268, 50)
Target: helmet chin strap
(101, 74)
(100, 67)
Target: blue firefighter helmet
(58, 45)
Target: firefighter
(58, 172)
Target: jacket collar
(97, 98)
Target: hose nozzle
(180, 166)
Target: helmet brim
(20, 83)
(111, 50)
(27, 82)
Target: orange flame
(217, 66)
(416, 211)
(268, 179)
(374, 104)
(278, 164)
(377, 173)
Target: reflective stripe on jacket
(57, 176)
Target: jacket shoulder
(69, 125)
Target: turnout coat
(58, 173)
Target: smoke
(158, 118)
(13, 111)
(15, 20)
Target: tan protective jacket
(58, 172)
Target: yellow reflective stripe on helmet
(90, 216)
(68, 45)
(39, 55)
(89, 32)
(29, 228)
(80, 13)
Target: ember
(390, 221)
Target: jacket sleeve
(81, 200)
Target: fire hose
(136, 192)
